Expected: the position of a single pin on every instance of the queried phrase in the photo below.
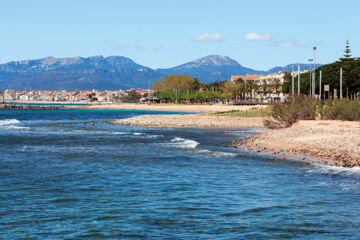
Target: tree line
(181, 88)
(330, 76)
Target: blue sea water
(63, 178)
(43, 104)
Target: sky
(259, 34)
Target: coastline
(333, 143)
(326, 142)
(199, 108)
(191, 120)
(193, 108)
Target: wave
(9, 124)
(9, 121)
(217, 154)
(224, 154)
(184, 143)
(120, 133)
(324, 169)
(138, 133)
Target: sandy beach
(204, 108)
(327, 142)
(192, 120)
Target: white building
(9, 95)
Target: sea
(68, 174)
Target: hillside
(209, 69)
(113, 73)
(76, 73)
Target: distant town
(10, 95)
(112, 96)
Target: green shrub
(340, 109)
(272, 124)
(293, 110)
(305, 108)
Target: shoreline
(286, 156)
(332, 143)
(325, 142)
(193, 108)
(191, 120)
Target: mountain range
(115, 72)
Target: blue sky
(164, 33)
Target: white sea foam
(119, 133)
(224, 154)
(153, 136)
(11, 124)
(184, 143)
(9, 121)
(216, 154)
(205, 151)
(138, 133)
(323, 169)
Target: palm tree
(276, 85)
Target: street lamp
(313, 79)
(310, 60)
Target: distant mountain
(292, 67)
(76, 73)
(115, 72)
(209, 69)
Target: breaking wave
(9, 121)
(11, 124)
(217, 154)
(323, 169)
(184, 143)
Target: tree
(251, 87)
(331, 75)
(214, 86)
(286, 86)
(177, 83)
(234, 89)
(347, 51)
(346, 63)
(132, 97)
(276, 86)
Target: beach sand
(327, 142)
(192, 120)
(203, 108)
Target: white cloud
(267, 38)
(257, 37)
(287, 44)
(208, 37)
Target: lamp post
(313, 84)
(310, 73)
(245, 92)
(341, 93)
(292, 82)
(298, 80)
